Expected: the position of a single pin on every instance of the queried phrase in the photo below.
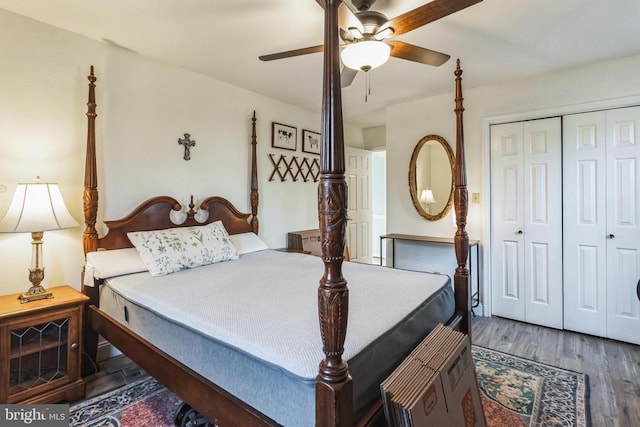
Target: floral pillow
(174, 249)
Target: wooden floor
(613, 367)
(113, 373)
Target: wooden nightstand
(41, 348)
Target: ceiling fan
(366, 36)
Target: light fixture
(427, 198)
(365, 54)
(36, 208)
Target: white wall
(608, 83)
(374, 138)
(144, 106)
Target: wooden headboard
(155, 214)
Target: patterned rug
(520, 392)
(515, 392)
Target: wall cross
(188, 143)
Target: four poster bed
(238, 340)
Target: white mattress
(265, 304)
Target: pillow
(247, 242)
(174, 249)
(116, 262)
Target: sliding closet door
(585, 224)
(526, 197)
(507, 221)
(623, 232)
(601, 223)
(543, 221)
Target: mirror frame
(412, 177)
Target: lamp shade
(37, 207)
(427, 197)
(365, 54)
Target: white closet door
(507, 221)
(543, 222)
(527, 221)
(623, 232)
(585, 258)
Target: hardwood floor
(613, 367)
(113, 373)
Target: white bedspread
(265, 303)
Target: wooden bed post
(461, 276)
(334, 392)
(254, 176)
(90, 194)
(90, 235)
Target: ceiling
(496, 40)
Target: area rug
(515, 392)
(519, 392)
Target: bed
(260, 366)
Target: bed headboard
(155, 213)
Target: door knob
(519, 232)
(611, 236)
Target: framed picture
(284, 136)
(310, 142)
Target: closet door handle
(519, 232)
(611, 236)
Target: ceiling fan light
(366, 54)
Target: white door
(507, 221)
(543, 222)
(527, 221)
(623, 233)
(585, 257)
(602, 238)
(359, 212)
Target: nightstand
(41, 348)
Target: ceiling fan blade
(413, 53)
(427, 13)
(347, 76)
(346, 18)
(290, 53)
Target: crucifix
(188, 143)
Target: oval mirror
(431, 177)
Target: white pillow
(116, 262)
(248, 242)
(174, 249)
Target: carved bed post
(90, 194)
(461, 276)
(254, 176)
(90, 208)
(334, 393)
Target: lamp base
(35, 293)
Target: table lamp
(36, 208)
(427, 198)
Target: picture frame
(284, 136)
(311, 142)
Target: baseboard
(106, 350)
